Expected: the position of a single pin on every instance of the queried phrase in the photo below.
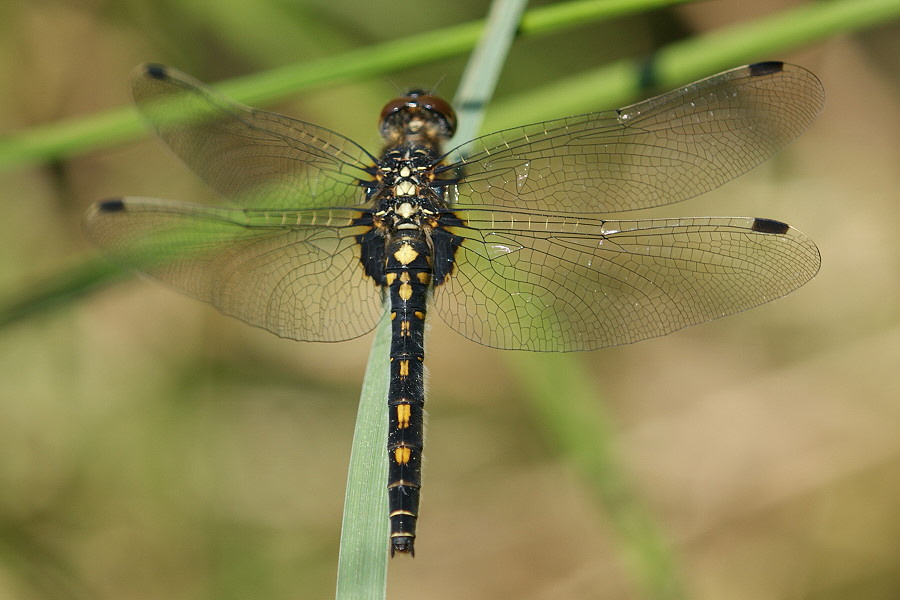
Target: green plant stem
(362, 562)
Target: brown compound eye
(418, 100)
(392, 107)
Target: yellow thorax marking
(405, 188)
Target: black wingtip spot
(770, 226)
(156, 71)
(114, 205)
(766, 68)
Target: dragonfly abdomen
(407, 276)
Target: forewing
(297, 274)
(663, 150)
(525, 282)
(254, 158)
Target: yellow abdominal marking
(402, 455)
(404, 368)
(404, 328)
(419, 315)
(405, 291)
(424, 278)
(405, 254)
(390, 278)
(403, 413)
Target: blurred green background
(152, 448)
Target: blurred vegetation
(152, 448)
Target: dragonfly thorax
(406, 213)
(404, 197)
(412, 165)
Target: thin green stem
(362, 562)
(480, 77)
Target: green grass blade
(362, 563)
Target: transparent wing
(560, 283)
(297, 274)
(254, 158)
(663, 150)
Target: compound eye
(394, 106)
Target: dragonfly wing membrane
(254, 158)
(275, 270)
(660, 151)
(565, 283)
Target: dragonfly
(506, 237)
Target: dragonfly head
(417, 113)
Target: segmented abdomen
(407, 276)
